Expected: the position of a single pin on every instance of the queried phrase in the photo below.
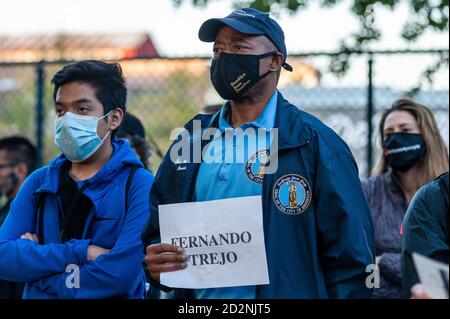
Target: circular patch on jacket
(292, 194)
(255, 166)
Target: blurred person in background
(414, 154)
(133, 131)
(425, 231)
(17, 161)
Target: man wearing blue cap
(317, 224)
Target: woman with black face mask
(414, 154)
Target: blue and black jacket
(115, 222)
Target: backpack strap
(127, 190)
(128, 185)
(41, 206)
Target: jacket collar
(50, 180)
(122, 156)
(265, 120)
(291, 129)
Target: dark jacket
(322, 252)
(388, 205)
(426, 228)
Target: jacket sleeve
(116, 273)
(424, 232)
(25, 260)
(345, 227)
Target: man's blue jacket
(321, 246)
(117, 274)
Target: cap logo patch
(243, 13)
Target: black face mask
(403, 150)
(234, 74)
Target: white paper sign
(223, 239)
(431, 275)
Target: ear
(115, 119)
(277, 62)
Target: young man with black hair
(17, 162)
(73, 230)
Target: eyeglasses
(7, 165)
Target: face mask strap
(106, 136)
(264, 75)
(265, 55)
(59, 119)
(109, 131)
(105, 115)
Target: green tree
(424, 15)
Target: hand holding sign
(164, 257)
(223, 241)
(433, 276)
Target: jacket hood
(123, 156)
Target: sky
(174, 30)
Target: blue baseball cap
(248, 21)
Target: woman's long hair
(435, 161)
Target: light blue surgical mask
(76, 135)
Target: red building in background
(32, 48)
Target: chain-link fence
(164, 93)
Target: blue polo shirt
(233, 167)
